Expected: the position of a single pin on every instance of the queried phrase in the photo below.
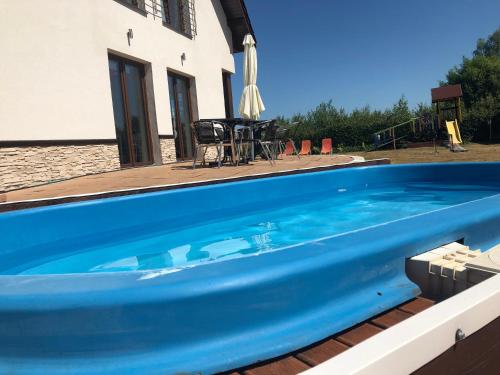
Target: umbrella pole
(252, 151)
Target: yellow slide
(453, 132)
(455, 137)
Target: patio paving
(129, 181)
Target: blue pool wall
(227, 314)
(83, 224)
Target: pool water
(260, 231)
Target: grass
(476, 152)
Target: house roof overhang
(238, 21)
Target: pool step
(449, 269)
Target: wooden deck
(313, 355)
(165, 177)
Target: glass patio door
(180, 108)
(131, 122)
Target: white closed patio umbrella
(251, 104)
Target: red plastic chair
(305, 148)
(326, 146)
(289, 148)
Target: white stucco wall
(54, 77)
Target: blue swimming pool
(210, 278)
(254, 231)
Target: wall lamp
(130, 35)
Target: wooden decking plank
(390, 318)
(317, 354)
(284, 366)
(358, 334)
(417, 305)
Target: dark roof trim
(238, 21)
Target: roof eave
(239, 22)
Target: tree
(486, 109)
(400, 111)
(479, 77)
(348, 130)
(489, 47)
(480, 80)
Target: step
(450, 269)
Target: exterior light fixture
(130, 35)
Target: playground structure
(396, 133)
(448, 109)
(448, 117)
(448, 103)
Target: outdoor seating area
(237, 141)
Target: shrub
(349, 131)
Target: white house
(89, 86)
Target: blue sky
(359, 52)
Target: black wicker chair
(264, 136)
(210, 134)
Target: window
(135, 3)
(228, 94)
(177, 14)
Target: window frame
(122, 61)
(136, 8)
(167, 23)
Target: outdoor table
(232, 123)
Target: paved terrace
(154, 178)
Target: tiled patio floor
(178, 173)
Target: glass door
(180, 108)
(131, 122)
